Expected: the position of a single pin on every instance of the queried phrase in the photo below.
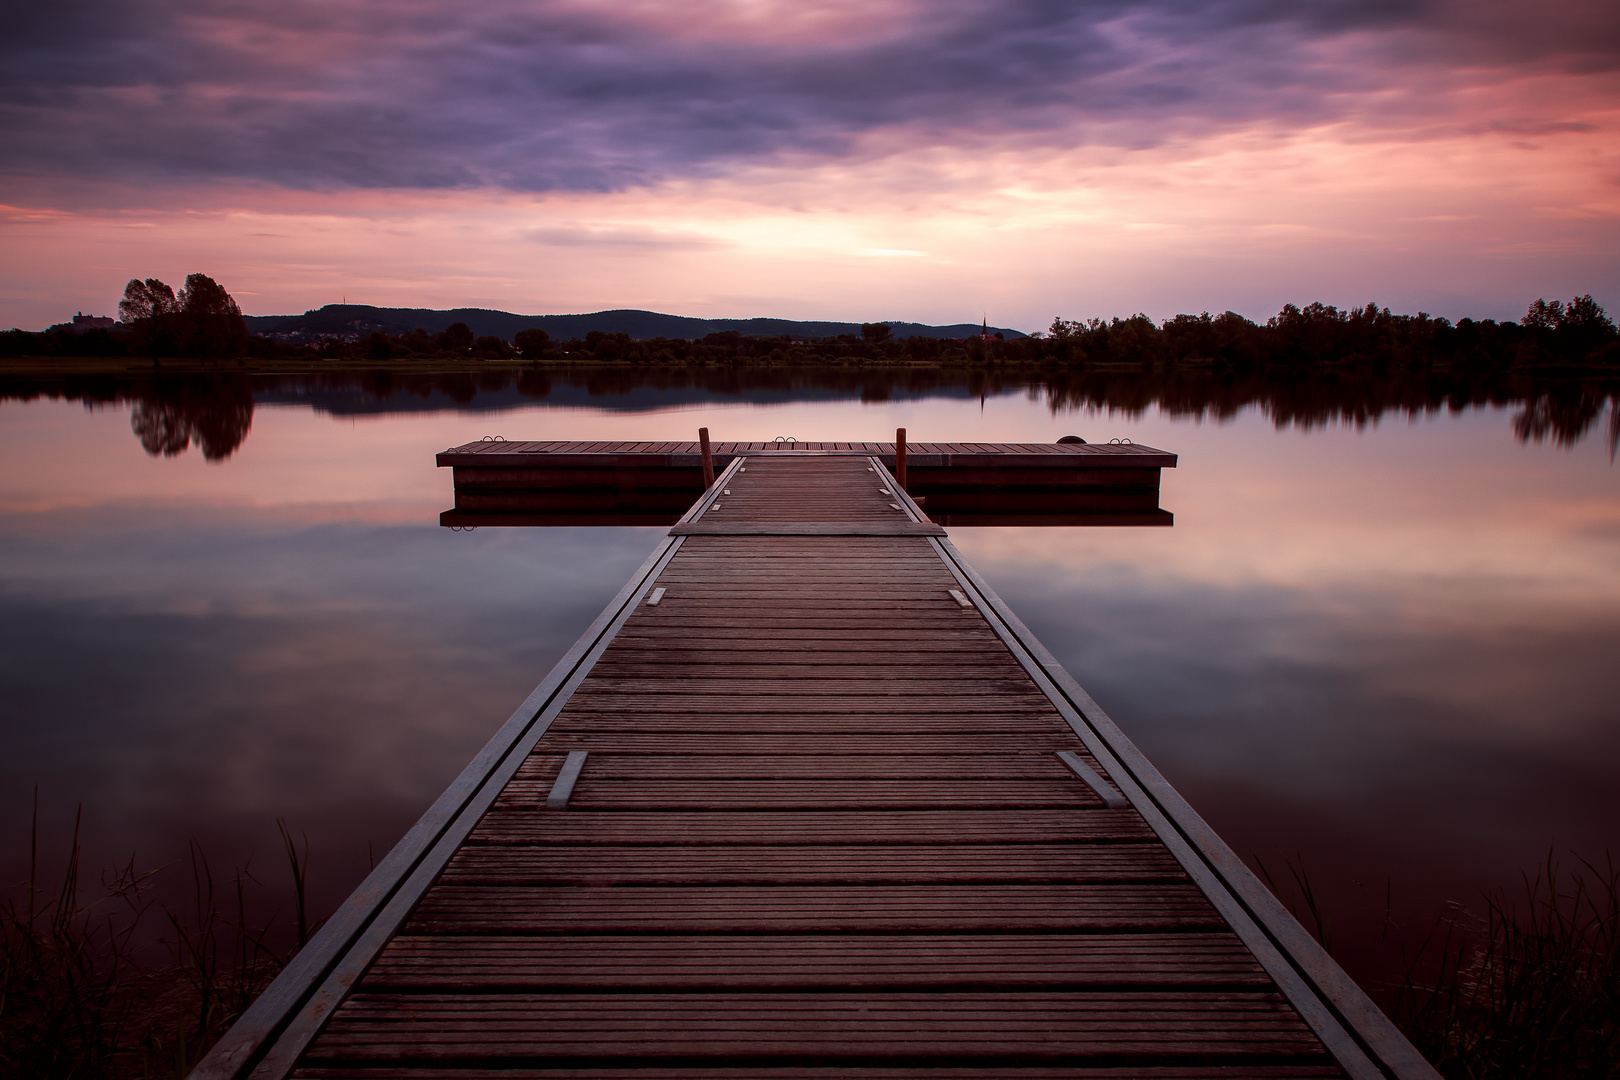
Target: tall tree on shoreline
(149, 299)
(148, 310)
(210, 322)
(202, 321)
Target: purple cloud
(549, 96)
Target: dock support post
(708, 458)
(900, 457)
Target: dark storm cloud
(544, 96)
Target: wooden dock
(528, 483)
(808, 800)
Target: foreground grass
(1530, 991)
(121, 986)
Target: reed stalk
(1530, 990)
(86, 993)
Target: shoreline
(130, 367)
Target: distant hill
(363, 318)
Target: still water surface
(1387, 650)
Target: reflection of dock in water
(808, 800)
(654, 483)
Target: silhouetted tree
(149, 308)
(202, 321)
(607, 346)
(1544, 316)
(418, 341)
(209, 323)
(149, 299)
(1570, 333)
(874, 332)
(492, 347)
(532, 342)
(457, 338)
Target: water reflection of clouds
(1444, 754)
(202, 681)
(1432, 548)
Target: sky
(1017, 160)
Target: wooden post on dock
(708, 458)
(900, 457)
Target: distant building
(984, 334)
(83, 322)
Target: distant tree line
(1552, 333)
(203, 321)
(1579, 333)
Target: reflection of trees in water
(212, 414)
(1561, 410)
(169, 413)
(215, 414)
(1565, 415)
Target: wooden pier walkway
(807, 800)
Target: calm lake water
(1385, 648)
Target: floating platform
(499, 482)
(808, 800)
